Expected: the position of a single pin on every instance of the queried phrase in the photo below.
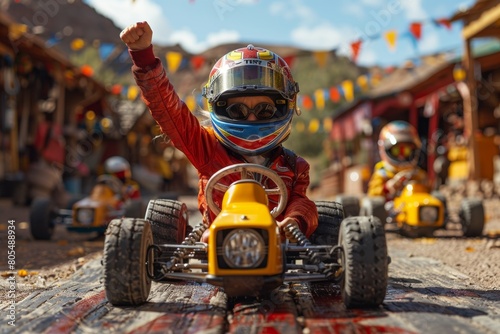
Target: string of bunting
(176, 61)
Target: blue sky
(315, 25)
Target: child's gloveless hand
(137, 36)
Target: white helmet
(119, 167)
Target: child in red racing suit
(252, 98)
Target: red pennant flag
(197, 62)
(307, 102)
(355, 47)
(416, 30)
(444, 22)
(334, 94)
(289, 60)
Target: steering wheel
(112, 182)
(244, 169)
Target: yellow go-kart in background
(90, 214)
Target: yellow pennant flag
(313, 125)
(190, 102)
(132, 92)
(320, 99)
(362, 82)
(327, 124)
(77, 44)
(390, 37)
(348, 89)
(321, 57)
(17, 30)
(174, 60)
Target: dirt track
(433, 280)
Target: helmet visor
(241, 78)
(403, 152)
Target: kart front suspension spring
(327, 269)
(193, 237)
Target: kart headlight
(85, 216)
(429, 214)
(243, 248)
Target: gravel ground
(40, 264)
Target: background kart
(90, 214)
(244, 254)
(417, 212)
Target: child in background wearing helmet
(251, 96)
(120, 168)
(399, 148)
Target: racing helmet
(399, 144)
(251, 71)
(118, 167)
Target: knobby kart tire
(330, 216)
(374, 206)
(41, 219)
(365, 262)
(168, 219)
(125, 261)
(350, 204)
(472, 217)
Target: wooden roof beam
(487, 19)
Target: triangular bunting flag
(105, 50)
(348, 88)
(390, 37)
(320, 99)
(321, 57)
(289, 60)
(416, 30)
(307, 102)
(444, 22)
(355, 47)
(313, 125)
(197, 62)
(174, 60)
(334, 94)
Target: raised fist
(137, 36)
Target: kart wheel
(125, 261)
(330, 215)
(472, 217)
(41, 219)
(168, 219)
(374, 206)
(365, 262)
(350, 204)
(134, 209)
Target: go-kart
(418, 212)
(245, 254)
(87, 215)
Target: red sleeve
(143, 59)
(300, 207)
(170, 112)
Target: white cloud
(320, 37)
(354, 9)
(292, 9)
(429, 43)
(124, 13)
(190, 43)
(367, 57)
(414, 10)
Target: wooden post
(470, 113)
